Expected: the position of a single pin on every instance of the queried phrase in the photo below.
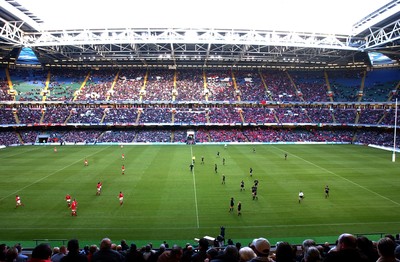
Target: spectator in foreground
(201, 253)
(246, 254)
(312, 255)
(346, 251)
(173, 255)
(41, 253)
(386, 247)
(56, 257)
(92, 250)
(106, 253)
(261, 247)
(12, 254)
(74, 254)
(134, 254)
(284, 252)
(21, 257)
(367, 248)
(230, 254)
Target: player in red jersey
(18, 201)
(123, 156)
(74, 206)
(99, 185)
(123, 169)
(68, 199)
(86, 163)
(121, 198)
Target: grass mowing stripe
(21, 152)
(41, 179)
(348, 180)
(163, 198)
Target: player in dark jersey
(254, 192)
(256, 183)
(231, 205)
(242, 186)
(223, 179)
(239, 208)
(326, 191)
(251, 171)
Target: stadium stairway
(298, 92)
(80, 88)
(328, 86)
(361, 91)
(143, 89)
(111, 91)
(45, 91)
(19, 138)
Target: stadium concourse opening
(190, 137)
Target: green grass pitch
(164, 200)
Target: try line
(348, 180)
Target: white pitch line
(348, 180)
(194, 188)
(37, 181)
(191, 228)
(20, 153)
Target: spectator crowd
(348, 248)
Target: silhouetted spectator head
(212, 253)
(283, 252)
(105, 244)
(12, 254)
(346, 241)
(312, 255)
(133, 246)
(162, 248)
(246, 254)
(92, 249)
(386, 247)
(230, 253)
(308, 243)
(73, 246)
(391, 237)
(203, 244)
(42, 251)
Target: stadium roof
(289, 33)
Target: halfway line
(194, 188)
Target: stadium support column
(394, 136)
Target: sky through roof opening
(314, 16)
